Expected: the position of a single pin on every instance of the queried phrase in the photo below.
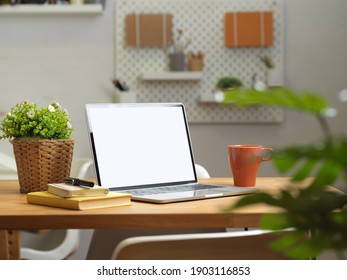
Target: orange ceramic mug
(244, 162)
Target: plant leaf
(284, 162)
(252, 199)
(280, 97)
(327, 174)
(275, 221)
(305, 170)
(290, 243)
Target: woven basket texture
(40, 162)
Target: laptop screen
(140, 144)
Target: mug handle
(269, 157)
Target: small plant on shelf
(228, 82)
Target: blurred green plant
(267, 61)
(315, 210)
(228, 82)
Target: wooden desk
(17, 214)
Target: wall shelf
(51, 9)
(171, 76)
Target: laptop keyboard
(170, 189)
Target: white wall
(69, 58)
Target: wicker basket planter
(40, 162)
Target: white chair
(246, 245)
(201, 172)
(54, 244)
(48, 245)
(80, 167)
(8, 166)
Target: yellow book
(66, 190)
(112, 199)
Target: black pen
(78, 182)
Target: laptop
(145, 149)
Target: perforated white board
(203, 22)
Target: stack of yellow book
(78, 198)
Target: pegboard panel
(203, 22)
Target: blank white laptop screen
(140, 145)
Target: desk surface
(16, 213)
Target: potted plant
(41, 142)
(315, 209)
(228, 83)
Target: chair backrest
(244, 245)
(8, 161)
(201, 172)
(50, 245)
(80, 167)
(8, 168)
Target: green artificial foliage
(226, 83)
(25, 120)
(314, 210)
